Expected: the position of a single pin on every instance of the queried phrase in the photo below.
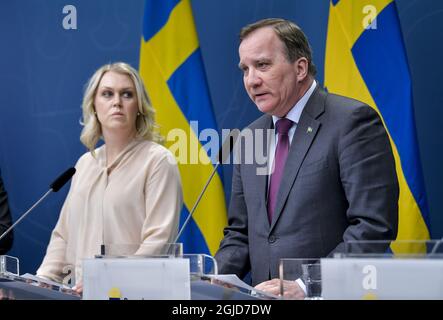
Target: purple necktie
(281, 153)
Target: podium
(171, 276)
(372, 270)
(204, 290)
(16, 287)
(404, 270)
(176, 277)
(20, 289)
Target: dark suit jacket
(339, 184)
(5, 220)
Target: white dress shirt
(293, 115)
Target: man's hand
(291, 289)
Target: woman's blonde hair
(146, 127)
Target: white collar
(295, 112)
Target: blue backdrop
(44, 68)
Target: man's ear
(301, 66)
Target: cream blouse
(139, 201)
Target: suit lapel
(304, 136)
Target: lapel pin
(309, 130)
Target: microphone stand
(223, 154)
(54, 187)
(25, 214)
(198, 201)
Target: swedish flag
(172, 69)
(366, 60)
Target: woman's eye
(128, 94)
(107, 93)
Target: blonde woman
(127, 191)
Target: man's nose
(253, 79)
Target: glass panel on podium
(29, 287)
(300, 278)
(150, 270)
(144, 250)
(159, 271)
(385, 270)
(9, 265)
(393, 249)
(201, 264)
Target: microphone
(62, 179)
(222, 156)
(54, 187)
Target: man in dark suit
(332, 172)
(5, 220)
